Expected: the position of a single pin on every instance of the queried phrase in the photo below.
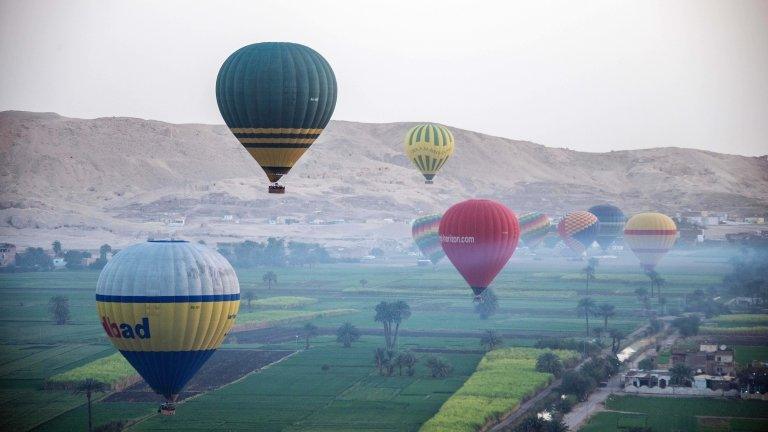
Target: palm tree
(88, 387)
(249, 296)
(408, 360)
(309, 330)
(652, 276)
(379, 356)
(589, 271)
(660, 282)
(549, 362)
(616, 337)
(662, 304)
(606, 311)
(104, 250)
(490, 340)
(56, 245)
(488, 304)
(585, 308)
(58, 306)
(346, 334)
(392, 314)
(680, 375)
(438, 368)
(642, 296)
(269, 278)
(598, 332)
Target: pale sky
(588, 75)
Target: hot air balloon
(610, 224)
(650, 236)
(429, 146)
(166, 306)
(276, 98)
(479, 236)
(425, 235)
(578, 230)
(534, 227)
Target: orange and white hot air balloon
(650, 236)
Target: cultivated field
(536, 299)
(664, 414)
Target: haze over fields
(116, 179)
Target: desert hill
(118, 178)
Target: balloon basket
(167, 409)
(276, 189)
(478, 299)
(428, 182)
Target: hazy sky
(588, 75)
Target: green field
(536, 299)
(664, 414)
(503, 378)
(747, 354)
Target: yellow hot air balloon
(650, 236)
(429, 146)
(166, 306)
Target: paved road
(583, 411)
(525, 407)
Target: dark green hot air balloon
(610, 225)
(276, 98)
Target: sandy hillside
(117, 179)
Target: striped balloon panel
(611, 222)
(534, 227)
(425, 234)
(276, 98)
(578, 230)
(650, 236)
(166, 306)
(429, 146)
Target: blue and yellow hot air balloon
(610, 225)
(426, 237)
(429, 146)
(276, 98)
(166, 306)
(578, 230)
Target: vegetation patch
(503, 379)
(284, 302)
(272, 318)
(114, 371)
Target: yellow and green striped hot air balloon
(166, 306)
(650, 236)
(429, 146)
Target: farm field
(664, 414)
(536, 299)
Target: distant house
(59, 263)
(7, 254)
(710, 359)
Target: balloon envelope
(276, 98)
(610, 225)
(429, 146)
(578, 230)
(166, 306)
(650, 236)
(534, 227)
(426, 236)
(479, 236)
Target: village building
(7, 255)
(710, 359)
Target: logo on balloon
(125, 330)
(456, 239)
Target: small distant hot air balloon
(534, 227)
(429, 146)
(276, 98)
(426, 236)
(650, 236)
(479, 236)
(610, 225)
(166, 306)
(578, 230)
